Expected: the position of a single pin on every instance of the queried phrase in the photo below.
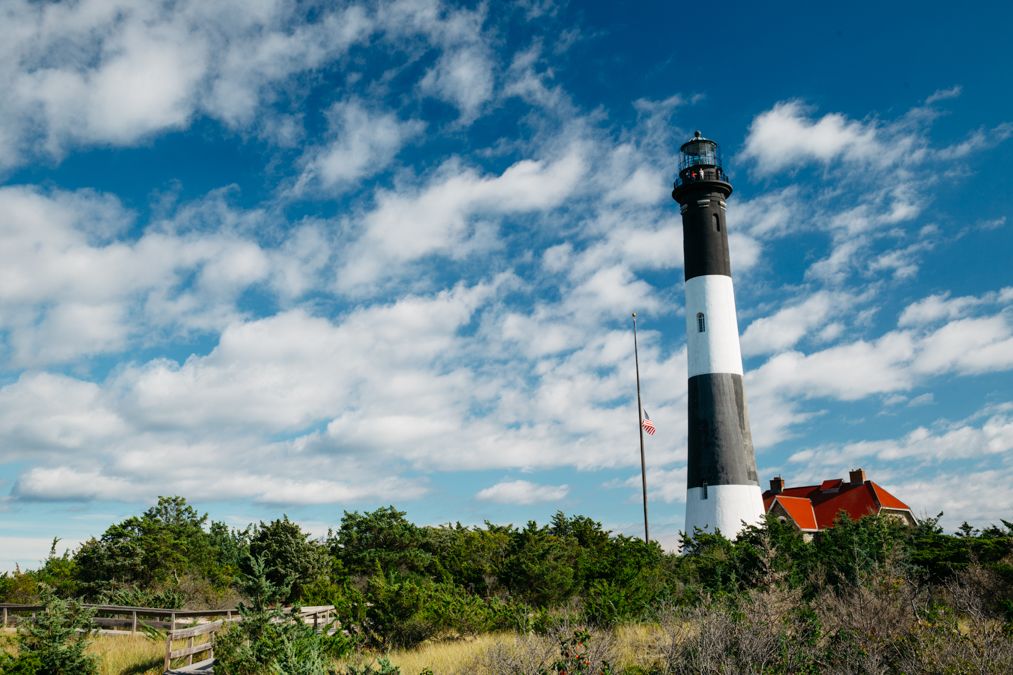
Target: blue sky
(299, 258)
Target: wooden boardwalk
(189, 633)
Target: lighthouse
(722, 488)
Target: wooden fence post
(133, 623)
(168, 650)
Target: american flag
(647, 424)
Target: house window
(701, 324)
(717, 223)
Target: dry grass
(631, 645)
(131, 655)
(126, 655)
(455, 656)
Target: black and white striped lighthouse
(722, 488)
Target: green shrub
(53, 642)
(290, 558)
(269, 641)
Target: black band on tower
(705, 237)
(720, 444)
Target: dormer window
(701, 324)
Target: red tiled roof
(800, 509)
(856, 501)
(887, 500)
(831, 497)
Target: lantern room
(700, 160)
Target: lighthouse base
(724, 508)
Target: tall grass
(128, 655)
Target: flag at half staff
(648, 424)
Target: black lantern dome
(700, 162)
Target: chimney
(857, 476)
(776, 485)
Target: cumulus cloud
(463, 73)
(439, 218)
(941, 307)
(786, 136)
(72, 285)
(787, 326)
(962, 440)
(364, 143)
(894, 363)
(114, 73)
(522, 492)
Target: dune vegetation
(870, 596)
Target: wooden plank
(190, 650)
(181, 633)
(111, 622)
(205, 666)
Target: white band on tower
(712, 330)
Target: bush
(54, 641)
(290, 558)
(269, 641)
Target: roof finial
(696, 134)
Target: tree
(54, 640)
(291, 560)
(268, 640)
(540, 566)
(163, 557)
(383, 537)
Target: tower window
(705, 490)
(701, 324)
(717, 223)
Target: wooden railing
(120, 620)
(321, 617)
(123, 620)
(206, 647)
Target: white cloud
(117, 72)
(894, 363)
(944, 94)
(43, 412)
(786, 136)
(30, 552)
(71, 285)
(978, 497)
(962, 440)
(364, 143)
(96, 73)
(941, 307)
(977, 141)
(848, 372)
(439, 219)
(463, 72)
(968, 346)
(787, 326)
(522, 492)
(463, 77)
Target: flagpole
(640, 426)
